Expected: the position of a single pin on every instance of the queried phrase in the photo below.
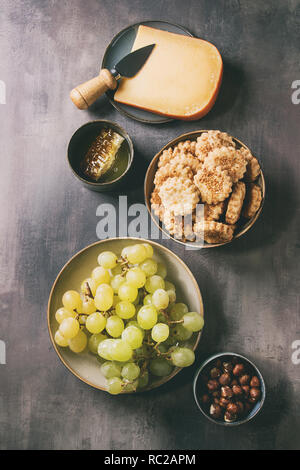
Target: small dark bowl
(78, 147)
(223, 356)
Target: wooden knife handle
(85, 94)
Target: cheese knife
(85, 94)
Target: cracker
(214, 232)
(253, 167)
(179, 195)
(211, 140)
(166, 157)
(156, 204)
(186, 146)
(189, 160)
(170, 170)
(213, 211)
(252, 200)
(235, 203)
(229, 159)
(214, 184)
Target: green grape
(135, 323)
(170, 341)
(114, 385)
(105, 349)
(60, 339)
(95, 323)
(143, 379)
(180, 333)
(172, 296)
(149, 250)
(107, 259)
(136, 277)
(160, 299)
(182, 357)
(124, 252)
(71, 300)
(114, 326)
(147, 317)
(100, 275)
(78, 343)
(177, 311)
(82, 319)
(116, 270)
(169, 286)
(153, 283)
(63, 313)
(162, 347)
(130, 387)
(116, 300)
(116, 282)
(121, 351)
(69, 328)
(192, 321)
(110, 369)
(104, 297)
(94, 342)
(149, 267)
(136, 254)
(125, 309)
(88, 305)
(88, 285)
(133, 335)
(147, 299)
(127, 292)
(161, 270)
(130, 371)
(138, 298)
(161, 318)
(160, 332)
(160, 367)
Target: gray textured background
(250, 288)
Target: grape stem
(173, 322)
(89, 291)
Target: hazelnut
(215, 411)
(212, 385)
(246, 390)
(238, 369)
(223, 402)
(216, 401)
(226, 392)
(215, 373)
(225, 379)
(244, 379)
(234, 382)
(205, 399)
(255, 382)
(232, 408)
(216, 394)
(227, 367)
(254, 394)
(241, 407)
(218, 364)
(237, 390)
(229, 418)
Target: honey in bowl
(107, 157)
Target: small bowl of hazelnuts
(229, 389)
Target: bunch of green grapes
(126, 314)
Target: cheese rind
(180, 79)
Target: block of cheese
(180, 79)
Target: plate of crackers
(204, 189)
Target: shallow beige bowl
(85, 365)
(149, 186)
